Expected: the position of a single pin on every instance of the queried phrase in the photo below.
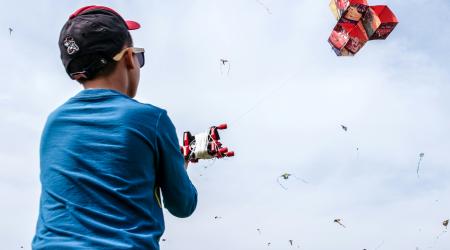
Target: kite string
(225, 64)
(264, 97)
(380, 245)
(264, 6)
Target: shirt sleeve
(179, 194)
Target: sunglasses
(139, 52)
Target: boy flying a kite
(104, 157)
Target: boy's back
(100, 155)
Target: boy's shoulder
(135, 107)
(123, 105)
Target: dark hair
(90, 59)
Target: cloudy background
(285, 97)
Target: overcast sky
(285, 97)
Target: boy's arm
(180, 196)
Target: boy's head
(96, 43)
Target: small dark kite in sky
(224, 63)
(285, 177)
(421, 155)
(338, 221)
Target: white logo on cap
(71, 46)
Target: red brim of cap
(132, 25)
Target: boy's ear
(129, 59)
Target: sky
(284, 99)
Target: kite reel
(204, 145)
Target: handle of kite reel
(222, 126)
(223, 150)
(229, 154)
(187, 138)
(186, 151)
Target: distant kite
(286, 176)
(224, 63)
(344, 128)
(338, 221)
(445, 224)
(357, 23)
(10, 31)
(421, 155)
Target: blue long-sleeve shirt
(104, 157)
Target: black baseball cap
(95, 33)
